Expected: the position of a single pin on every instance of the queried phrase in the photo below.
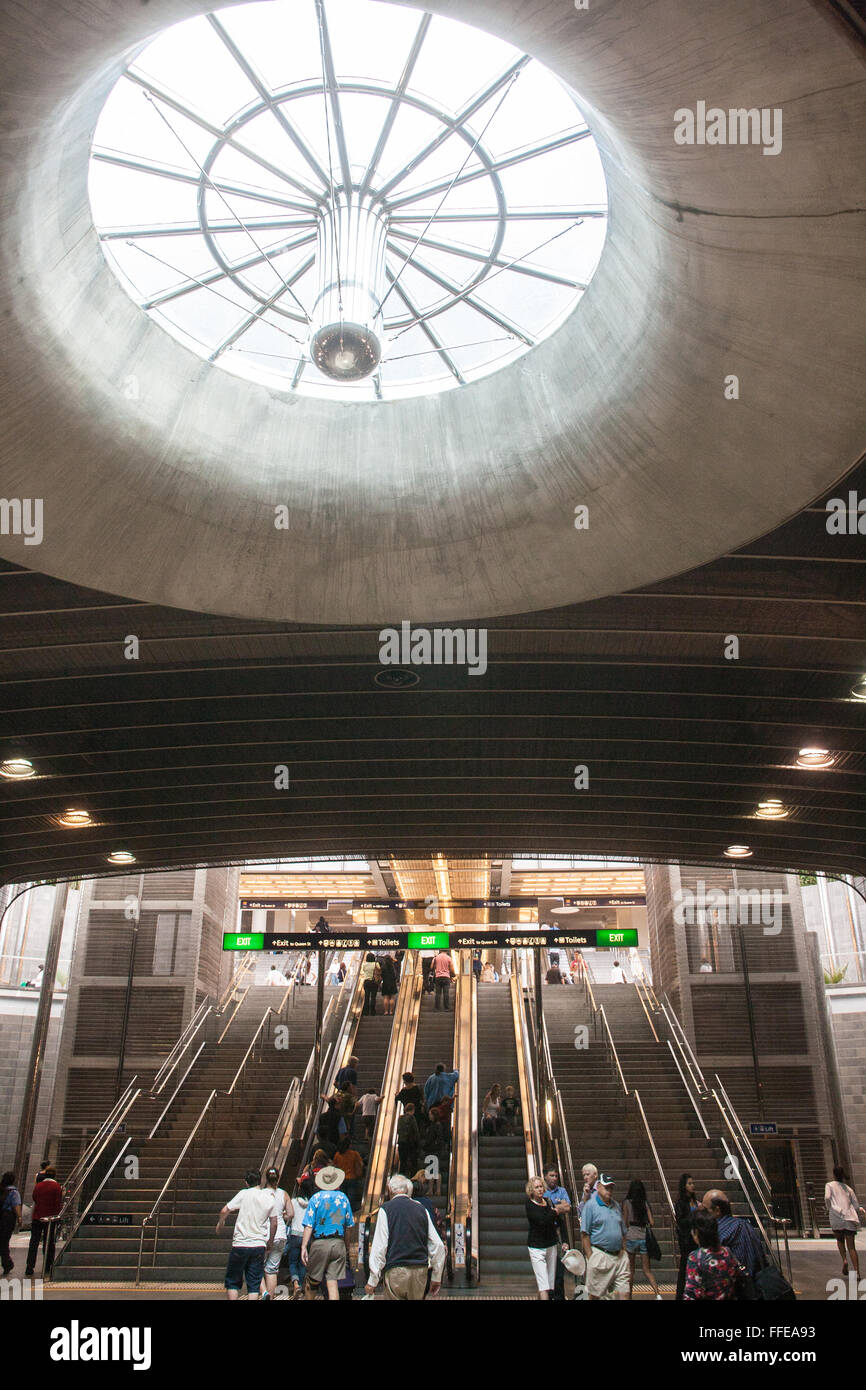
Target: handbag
(653, 1248)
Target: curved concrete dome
(160, 475)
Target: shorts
(246, 1264)
(274, 1257)
(326, 1259)
(543, 1267)
(606, 1274)
(636, 1247)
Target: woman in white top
(284, 1211)
(845, 1213)
(491, 1108)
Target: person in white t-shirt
(284, 1212)
(617, 974)
(276, 977)
(297, 1273)
(253, 1236)
(845, 1216)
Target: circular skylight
(345, 198)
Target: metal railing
(172, 1061)
(279, 1143)
(553, 1107)
(462, 1220)
(758, 1197)
(80, 1192)
(169, 1182)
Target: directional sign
(764, 1128)
(401, 904)
(449, 941)
(108, 1219)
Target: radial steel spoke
(466, 297)
(496, 166)
(252, 75)
(465, 115)
(212, 277)
(166, 171)
(542, 215)
(454, 249)
(257, 314)
(258, 224)
(299, 372)
(161, 94)
(428, 332)
(200, 284)
(334, 95)
(420, 36)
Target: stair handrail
(154, 1211)
(772, 1221)
(612, 1045)
(278, 1145)
(644, 998)
(688, 1090)
(746, 1140)
(248, 959)
(172, 1061)
(176, 1090)
(79, 1219)
(400, 1048)
(683, 1043)
(346, 1028)
(78, 1178)
(253, 1041)
(94, 1143)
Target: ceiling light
(815, 757)
(738, 852)
(74, 819)
(859, 690)
(17, 768)
(121, 856)
(772, 809)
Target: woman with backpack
(845, 1215)
(638, 1217)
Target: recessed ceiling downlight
(859, 690)
(120, 856)
(17, 769)
(772, 809)
(815, 757)
(346, 198)
(74, 819)
(738, 852)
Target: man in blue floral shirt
(327, 1222)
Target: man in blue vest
(404, 1246)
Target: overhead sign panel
(449, 941)
(400, 904)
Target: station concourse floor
(814, 1262)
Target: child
(510, 1111)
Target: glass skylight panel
(247, 158)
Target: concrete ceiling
(174, 754)
(719, 260)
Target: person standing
(554, 974)
(617, 974)
(545, 1239)
(511, 1114)
(711, 1270)
(10, 1219)
(276, 977)
(589, 1173)
(410, 1093)
(443, 974)
(845, 1213)
(347, 1077)
(405, 1245)
(637, 1214)
(408, 1141)
(352, 1164)
(602, 1233)
(437, 1145)
(253, 1236)
(477, 965)
(557, 1197)
(297, 1273)
(47, 1206)
(369, 1105)
(388, 967)
(284, 1211)
(491, 1110)
(439, 1084)
(427, 959)
(370, 985)
(325, 1246)
(684, 1212)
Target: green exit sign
(428, 940)
(237, 941)
(611, 937)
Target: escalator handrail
(400, 1048)
(526, 1076)
(346, 1031)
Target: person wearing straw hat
(327, 1222)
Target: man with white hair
(590, 1176)
(404, 1246)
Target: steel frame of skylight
(301, 213)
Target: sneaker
(659, 1298)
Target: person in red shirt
(47, 1203)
